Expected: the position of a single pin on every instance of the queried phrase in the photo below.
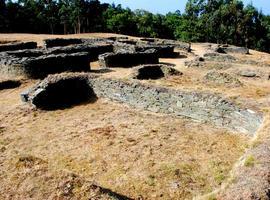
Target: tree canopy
(219, 21)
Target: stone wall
(93, 50)
(41, 66)
(154, 71)
(38, 63)
(163, 51)
(18, 46)
(203, 107)
(199, 106)
(57, 42)
(128, 59)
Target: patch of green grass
(218, 171)
(219, 176)
(250, 161)
(212, 197)
(151, 180)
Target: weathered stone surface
(18, 46)
(128, 59)
(153, 72)
(93, 50)
(197, 62)
(248, 73)
(200, 106)
(8, 84)
(177, 44)
(127, 41)
(119, 47)
(225, 48)
(212, 56)
(163, 51)
(26, 53)
(234, 49)
(54, 93)
(96, 41)
(41, 66)
(57, 42)
(221, 78)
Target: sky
(165, 6)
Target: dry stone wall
(41, 66)
(128, 59)
(199, 106)
(56, 42)
(203, 107)
(18, 46)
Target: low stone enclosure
(199, 106)
(163, 51)
(127, 59)
(230, 49)
(41, 66)
(145, 72)
(62, 55)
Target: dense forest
(219, 21)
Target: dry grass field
(138, 154)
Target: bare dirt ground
(141, 155)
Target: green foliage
(218, 21)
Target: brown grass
(130, 151)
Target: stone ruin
(221, 55)
(177, 44)
(145, 72)
(128, 59)
(163, 51)
(58, 42)
(93, 50)
(200, 106)
(39, 62)
(36, 66)
(61, 55)
(230, 49)
(222, 78)
(62, 93)
(68, 89)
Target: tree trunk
(79, 25)
(65, 28)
